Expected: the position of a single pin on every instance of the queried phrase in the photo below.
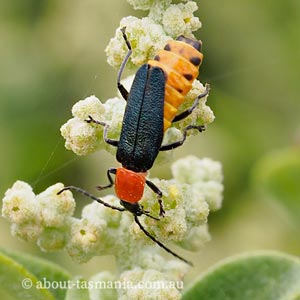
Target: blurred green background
(52, 55)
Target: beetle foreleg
(157, 191)
(111, 182)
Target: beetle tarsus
(92, 120)
(161, 208)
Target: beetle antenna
(85, 193)
(158, 242)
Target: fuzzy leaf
(260, 276)
(12, 275)
(40, 269)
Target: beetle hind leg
(187, 112)
(180, 142)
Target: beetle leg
(121, 87)
(111, 142)
(146, 213)
(157, 191)
(111, 181)
(187, 112)
(179, 143)
(92, 120)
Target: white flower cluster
(43, 218)
(84, 138)
(165, 21)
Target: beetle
(157, 91)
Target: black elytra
(142, 128)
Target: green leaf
(42, 270)
(260, 276)
(12, 276)
(278, 175)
